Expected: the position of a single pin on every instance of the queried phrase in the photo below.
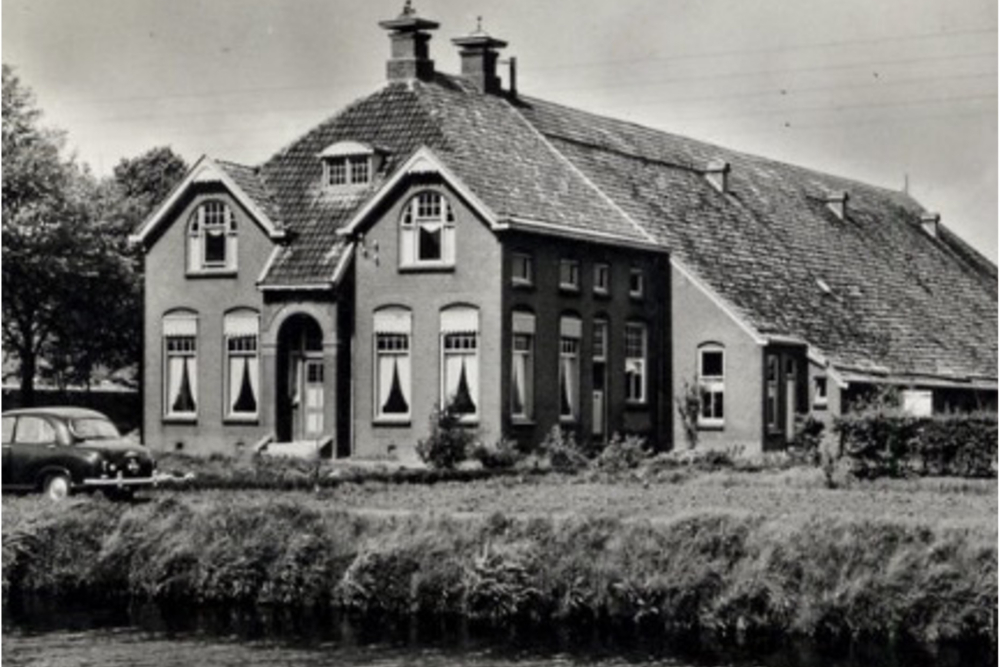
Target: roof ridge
(576, 170)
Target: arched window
(427, 231)
(522, 366)
(241, 332)
(570, 332)
(460, 361)
(212, 238)
(180, 365)
(393, 329)
(712, 384)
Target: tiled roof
(872, 292)
(252, 184)
(898, 300)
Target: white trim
(719, 301)
(271, 259)
(297, 288)
(341, 268)
(423, 161)
(206, 170)
(346, 149)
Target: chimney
(837, 203)
(410, 53)
(717, 173)
(479, 54)
(929, 223)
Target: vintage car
(62, 450)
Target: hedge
(895, 444)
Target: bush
(449, 441)
(501, 456)
(622, 454)
(890, 443)
(562, 450)
(808, 439)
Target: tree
(44, 220)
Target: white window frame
(460, 335)
(638, 290)
(636, 365)
(710, 386)
(180, 341)
(525, 278)
(392, 338)
(570, 335)
(241, 340)
(821, 397)
(209, 218)
(602, 287)
(522, 357)
(417, 216)
(570, 279)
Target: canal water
(39, 634)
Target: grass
(738, 554)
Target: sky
(898, 93)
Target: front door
(313, 399)
(300, 392)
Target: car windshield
(94, 429)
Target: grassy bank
(734, 572)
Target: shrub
(808, 439)
(622, 454)
(449, 441)
(562, 450)
(890, 443)
(501, 456)
(688, 409)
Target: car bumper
(104, 482)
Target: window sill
(567, 420)
(712, 426)
(427, 268)
(522, 284)
(242, 421)
(212, 273)
(636, 405)
(522, 421)
(398, 422)
(569, 289)
(636, 297)
(180, 420)
(602, 294)
(820, 406)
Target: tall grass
(736, 574)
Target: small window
(712, 386)
(34, 431)
(348, 170)
(522, 271)
(393, 329)
(8, 429)
(602, 279)
(427, 232)
(819, 392)
(360, 169)
(212, 238)
(336, 171)
(569, 275)
(636, 283)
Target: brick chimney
(410, 54)
(479, 53)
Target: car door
(33, 447)
(8, 440)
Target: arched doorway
(301, 398)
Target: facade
(447, 241)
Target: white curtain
(240, 365)
(393, 368)
(569, 381)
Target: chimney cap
(479, 38)
(408, 21)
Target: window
(240, 330)
(522, 390)
(344, 170)
(212, 238)
(569, 274)
(569, 368)
(712, 385)
(636, 283)
(8, 429)
(360, 169)
(427, 231)
(180, 386)
(819, 392)
(336, 171)
(635, 363)
(460, 361)
(771, 405)
(393, 329)
(602, 278)
(34, 431)
(522, 271)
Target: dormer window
(348, 163)
(212, 238)
(427, 232)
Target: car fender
(48, 470)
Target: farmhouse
(448, 240)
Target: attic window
(348, 163)
(837, 203)
(717, 173)
(929, 223)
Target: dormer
(929, 223)
(836, 202)
(348, 164)
(717, 173)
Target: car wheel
(57, 486)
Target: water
(43, 634)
